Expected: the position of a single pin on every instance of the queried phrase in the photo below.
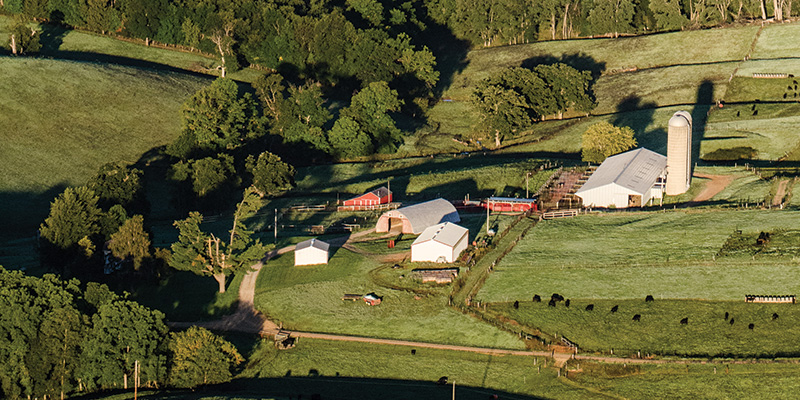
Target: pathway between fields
(780, 193)
(716, 184)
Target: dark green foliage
(206, 174)
(215, 119)
(199, 357)
(270, 174)
(73, 215)
(732, 154)
(131, 242)
(23, 39)
(116, 183)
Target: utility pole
(276, 226)
(454, 390)
(135, 379)
(528, 175)
(488, 206)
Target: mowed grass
(184, 296)
(309, 298)
(631, 255)
(659, 331)
(62, 120)
(398, 374)
(731, 381)
(775, 51)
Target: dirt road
(781, 193)
(716, 184)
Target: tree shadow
(52, 36)
(450, 52)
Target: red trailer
(510, 204)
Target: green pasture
(731, 381)
(309, 298)
(398, 374)
(707, 334)
(631, 255)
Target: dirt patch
(715, 185)
(781, 193)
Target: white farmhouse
(311, 252)
(440, 243)
(629, 179)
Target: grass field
(631, 255)
(731, 381)
(707, 333)
(309, 298)
(184, 296)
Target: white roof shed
(311, 252)
(440, 243)
(627, 179)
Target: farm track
(716, 184)
(780, 193)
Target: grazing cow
(590, 307)
(737, 113)
(413, 351)
(726, 315)
(637, 317)
(516, 304)
(566, 303)
(751, 326)
(552, 303)
(732, 321)
(557, 297)
(774, 316)
(755, 112)
(614, 309)
(685, 321)
(536, 298)
(649, 298)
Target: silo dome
(678, 121)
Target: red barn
(380, 195)
(510, 204)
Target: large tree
(602, 140)
(370, 109)
(668, 14)
(123, 332)
(199, 357)
(116, 183)
(23, 39)
(74, 215)
(131, 242)
(206, 254)
(270, 174)
(570, 88)
(612, 16)
(216, 118)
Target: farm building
(629, 179)
(311, 252)
(415, 219)
(445, 275)
(509, 204)
(381, 195)
(440, 243)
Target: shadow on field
(315, 386)
(703, 106)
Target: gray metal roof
(636, 170)
(429, 213)
(446, 233)
(312, 243)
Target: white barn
(440, 243)
(629, 179)
(415, 219)
(311, 252)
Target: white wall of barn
(310, 256)
(431, 250)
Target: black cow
(649, 298)
(614, 309)
(726, 315)
(557, 297)
(590, 307)
(516, 304)
(551, 303)
(774, 316)
(536, 298)
(751, 326)
(566, 303)
(637, 317)
(732, 321)
(685, 321)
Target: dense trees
(22, 39)
(206, 254)
(603, 139)
(513, 99)
(270, 174)
(58, 338)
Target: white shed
(440, 243)
(415, 219)
(629, 179)
(311, 252)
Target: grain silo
(679, 153)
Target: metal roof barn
(629, 179)
(440, 243)
(311, 252)
(415, 219)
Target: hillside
(63, 119)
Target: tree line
(60, 337)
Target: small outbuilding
(381, 195)
(311, 252)
(415, 219)
(629, 179)
(440, 243)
